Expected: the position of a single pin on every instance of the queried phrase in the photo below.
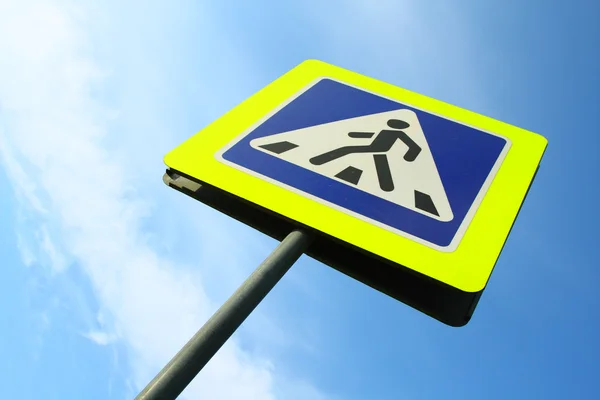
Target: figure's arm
(413, 148)
(361, 135)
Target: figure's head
(397, 124)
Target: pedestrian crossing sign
(414, 182)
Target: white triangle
(420, 175)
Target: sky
(106, 272)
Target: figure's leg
(337, 153)
(382, 166)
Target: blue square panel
(406, 170)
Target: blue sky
(106, 272)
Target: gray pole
(197, 352)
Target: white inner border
(461, 229)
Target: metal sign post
(197, 352)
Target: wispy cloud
(82, 147)
(61, 156)
(98, 337)
(26, 190)
(27, 256)
(47, 246)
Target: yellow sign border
(467, 268)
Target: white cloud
(26, 190)
(55, 257)
(55, 141)
(75, 173)
(25, 251)
(100, 338)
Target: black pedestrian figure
(382, 143)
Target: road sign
(410, 195)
